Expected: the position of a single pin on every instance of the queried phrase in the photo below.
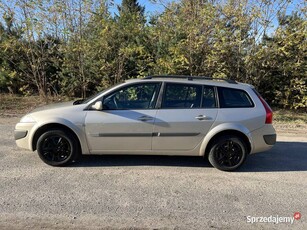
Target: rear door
(186, 115)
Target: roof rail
(190, 78)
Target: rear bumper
(270, 139)
(263, 139)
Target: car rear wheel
(227, 153)
(57, 147)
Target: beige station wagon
(218, 119)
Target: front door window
(134, 97)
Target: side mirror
(77, 102)
(97, 106)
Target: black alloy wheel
(57, 148)
(227, 153)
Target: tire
(58, 148)
(227, 153)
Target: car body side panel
(62, 113)
(77, 128)
(122, 130)
(251, 118)
(217, 128)
(180, 130)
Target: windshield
(87, 100)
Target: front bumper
(19, 134)
(22, 135)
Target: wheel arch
(52, 126)
(217, 132)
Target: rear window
(234, 98)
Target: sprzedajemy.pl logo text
(273, 219)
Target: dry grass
(290, 116)
(13, 105)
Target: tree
(9, 59)
(131, 7)
(79, 46)
(283, 63)
(76, 16)
(128, 51)
(33, 46)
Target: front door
(126, 121)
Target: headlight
(27, 119)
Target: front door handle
(202, 117)
(145, 118)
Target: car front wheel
(57, 147)
(227, 153)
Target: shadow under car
(284, 156)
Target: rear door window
(234, 98)
(209, 100)
(179, 96)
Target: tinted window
(209, 97)
(231, 98)
(182, 96)
(140, 96)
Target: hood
(54, 106)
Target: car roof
(194, 80)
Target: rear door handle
(202, 117)
(145, 118)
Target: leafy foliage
(77, 47)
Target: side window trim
(202, 96)
(217, 98)
(160, 95)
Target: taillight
(268, 110)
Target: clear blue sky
(150, 7)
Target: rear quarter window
(234, 98)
